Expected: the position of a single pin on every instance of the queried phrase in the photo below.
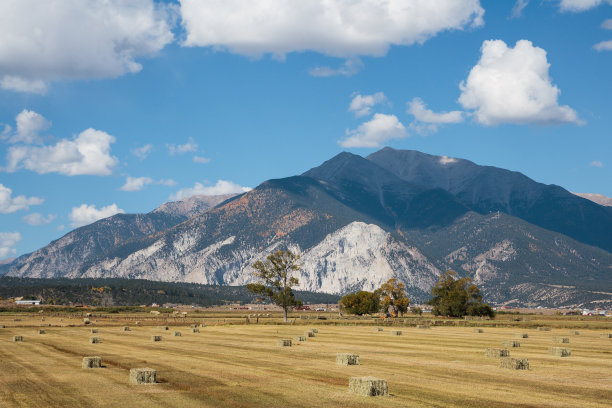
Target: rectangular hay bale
(514, 363)
(557, 339)
(156, 338)
(423, 326)
(606, 336)
(177, 334)
(511, 343)
(17, 338)
(92, 362)
(299, 338)
(314, 330)
(368, 386)
(309, 334)
(542, 328)
(94, 330)
(95, 340)
(396, 332)
(143, 376)
(347, 359)
(478, 331)
(41, 331)
(126, 328)
(283, 342)
(521, 335)
(195, 330)
(574, 332)
(378, 329)
(496, 352)
(559, 351)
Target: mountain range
(358, 222)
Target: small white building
(27, 302)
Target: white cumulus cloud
(512, 85)
(221, 187)
(597, 163)
(86, 154)
(336, 28)
(350, 67)
(576, 6)
(167, 182)
(86, 214)
(19, 84)
(29, 126)
(36, 219)
(10, 204)
(431, 119)
(7, 242)
(136, 183)
(603, 46)
(49, 40)
(201, 159)
(375, 132)
(607, 24)
(361, 105)
(519, 6)
(189, 147)
(143, 151)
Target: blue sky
(116, 107)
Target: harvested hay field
(239, 365)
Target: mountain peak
(596, 198)
(190, 206)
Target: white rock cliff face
(358, 256)
(364, 256)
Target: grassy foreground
(232, 365)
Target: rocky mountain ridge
(357, 222)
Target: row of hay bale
(364, 386)
(137, 375)
(154, 338)
(523, 364)
(297, 339)
(399, 332)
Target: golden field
(231, 364)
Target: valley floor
(237, 365)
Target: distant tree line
(126, 292)
(451, 296)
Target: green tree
(360, 303)
(276, 280)
(393, 297)
(457, 297)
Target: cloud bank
(50, 40)
(331, 27)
